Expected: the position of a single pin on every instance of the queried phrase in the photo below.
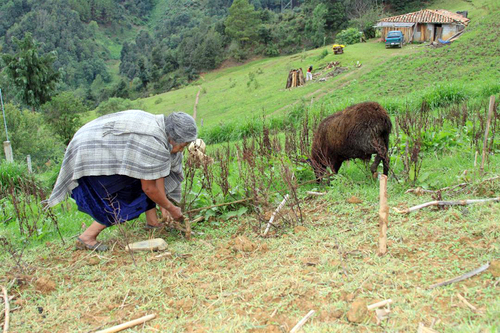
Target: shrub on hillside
(29, 135)
(114, 104)
(322, 55)
(11, 175)
(348, 36)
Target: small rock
(494, 268)
(299, 229)
(157, 244)
(358, 311)
(354, 200)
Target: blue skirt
(111, 199)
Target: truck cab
(394, 38)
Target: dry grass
(241, 283)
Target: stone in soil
(156, 244)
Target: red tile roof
(429, 16)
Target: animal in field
(358, 131)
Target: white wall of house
(449, 30)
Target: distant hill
(131, 48)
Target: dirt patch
(354, 200)
(45, 285)
(494, 268)
(242, 244)
(298, 229)
(357, 312)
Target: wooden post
(28, 160)
(383, 216)
(7, 148)
(485, 143)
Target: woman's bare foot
(152, 219)
(89, 236)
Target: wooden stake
(128, 324)
(302, 322)
(486, 132)
(383, 216)
(7, 310)
(274, 214)
(444, 203)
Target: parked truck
(394, 38)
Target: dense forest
(163, 44)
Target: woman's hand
(156, 192)
(176, 212)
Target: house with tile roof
(427, 25)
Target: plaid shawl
(132, 143)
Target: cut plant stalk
(486, 132)
(274, 214)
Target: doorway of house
(438, 32)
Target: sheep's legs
(375, 164)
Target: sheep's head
(197, 153)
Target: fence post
(28, 160)
(7, 148)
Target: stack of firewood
(295, 78)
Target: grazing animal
(359, 131)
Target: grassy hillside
(386, 75)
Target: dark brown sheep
(359, 131)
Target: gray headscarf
(181, 127)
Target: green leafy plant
(348, 36)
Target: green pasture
(257, 88)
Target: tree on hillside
(242, 22)
(33, 74)
(319, 24)
(62, 113)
